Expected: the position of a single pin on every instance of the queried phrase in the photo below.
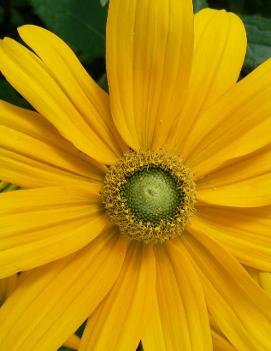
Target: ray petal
(219, 51)
(53, 301)
(240, 308)
(34, 154)
(237, 124)
(46, 92)
(244, 232)
(119, 321)
(148, 66)
(179, 320)
(38, 226)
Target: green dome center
(152, 194)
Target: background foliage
(81, 23)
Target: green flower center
(149, 195)
(152, 194)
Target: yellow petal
(244, 183)
(220, 343)
(244, 232)
(235, 125)
(33, 154)
(219, 50)
(38, 226)
(181, 316)
(119, 321)
(91, 101)
(73, 342)
(53, 301)
(149, 54)
(193, 298)
(153, 336)
(252, 165)
(261, 278)
(240, 308)
(250, 192)
(264, 279)
(33, 79)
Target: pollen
(149, 195)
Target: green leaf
(80, 23)
(104, 2)
(19, 3)
(259, 7)
(8, 94)
(237, 6)
(103, 82)
(17, 18)
(79, 332)
(2, 15)
(200, 4)
(259, 40)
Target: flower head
(138, 209)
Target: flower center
(152, 195)
(149, 195)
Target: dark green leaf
(79, 332)
(104, 2)
(219, 4)
(259, 7)
(8, 94)
(259, 40)
(103, 82)
(19, 3)
(16, 19)
(2, 15)
(80, 23)
(237, 5)
(199, 5)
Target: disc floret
(149, 195)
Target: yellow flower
(262, 278)
(220, 343)
(8, 285)
(73, 342)
(138, 209)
